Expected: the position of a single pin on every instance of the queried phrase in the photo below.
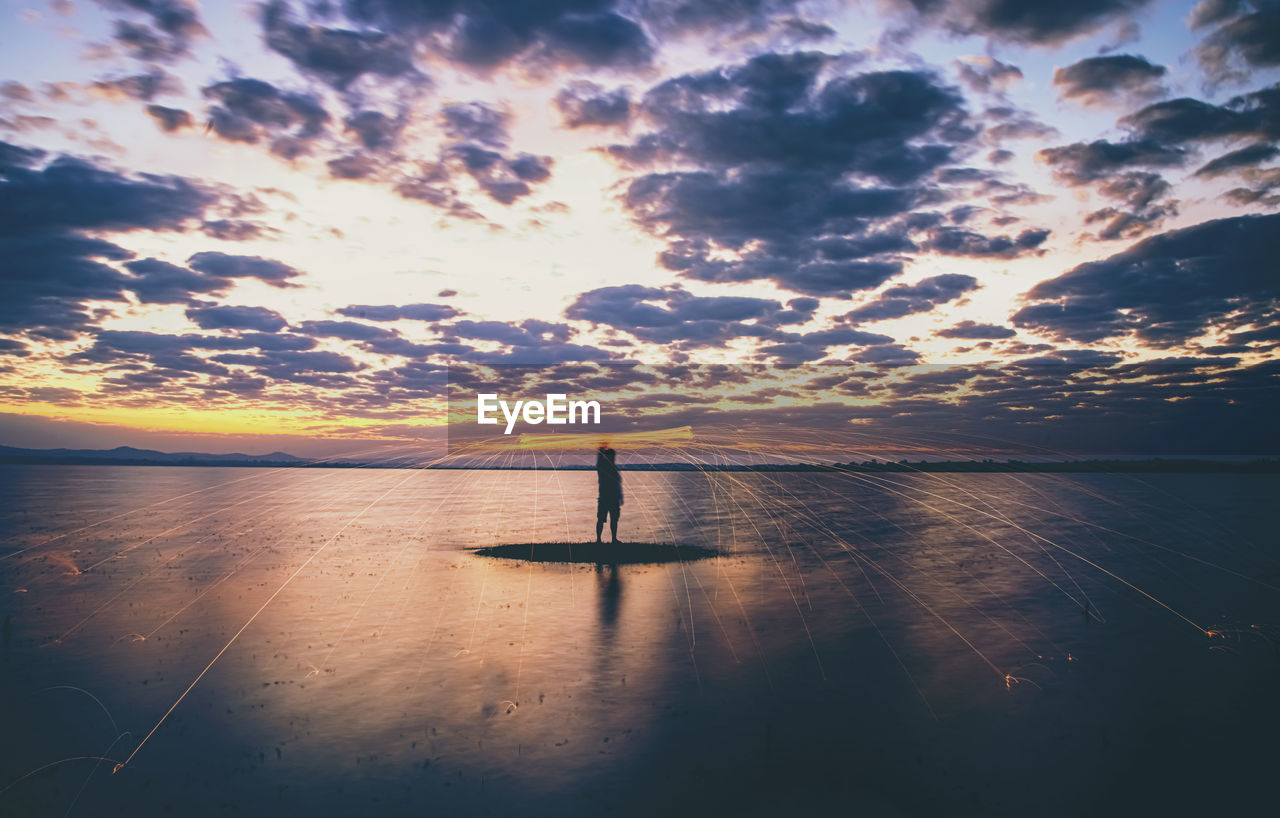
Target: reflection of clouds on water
(397, 656)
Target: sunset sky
(254, 226)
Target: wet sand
(333, 643)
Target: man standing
(609, 501)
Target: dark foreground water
(324, 642)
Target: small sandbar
(630, 553)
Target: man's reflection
(610, 587)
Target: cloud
(166, 34)
(923, 296)
(170, 119)
(1105, 167)
(1167, 289)
(1248, 156)
(1026, 22)
(974, 330)
(583, 104)
(16, 156)
(159, 282)
(1084, 162)
(1185, 120)
(71, 194)
(223, 265)
(672, 315)
(479, 35)
(480, 136)
(784, 161)
(143, 87)
(950, 241)
(397, 312)
(250, 110)
(46, 280)
(987, 74)
(1100, 80)
(224, 316)
(1245, 37)
(475, 122)
(346, 330)
(375, 130)
(50, 266)
(337, 56)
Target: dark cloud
(346, 330)
(1244, 157)
(1085, 162)
(974, 330)
(587, 104)
(143, 42)
(225, 316)
(1245, 37)
(377, 36)
(531, 341)
(957, 242)
(1005, 122)
(143, 87)
(723, 16)
(16, 156)
(1022, 21)
(505, 179)
(73, 194)
(159, 282)
(672, 315)
(887, 356)
(375, 130)
(1107, 167)
(1167, 289)
(353, 166)
(788, 162)
(170, 119)
(814, 346)
(1103, 79)
(923, 296)
(338, 56)
(987, 74)
(596, 41)
(45, 280)
(396, 312)
(889, 126)
(1140, 193)
(250, 110)
(235, 230)
(49, 267)
(222, 265)
(1185, 120)
(480, 138)
(16, 91)
(475, 122)
(162, 30)
(179, 18)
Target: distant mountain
(127, 455)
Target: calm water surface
(324, 642)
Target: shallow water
(325, 641)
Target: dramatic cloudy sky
(251, 225)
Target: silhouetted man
(609, 501)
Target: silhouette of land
(128, 456)
(627, 553)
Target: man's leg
(600, 513)
(613, 522)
